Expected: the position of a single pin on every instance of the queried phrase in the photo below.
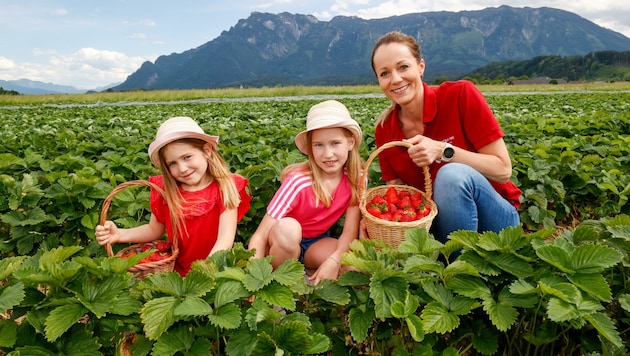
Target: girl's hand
(107, 233)
(329, 269)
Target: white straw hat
(328, 114)
(174, 129)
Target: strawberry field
(559, 285)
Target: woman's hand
(107, 233)
(329, 269)
(424, 150)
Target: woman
(454, 132)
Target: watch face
(448, 152)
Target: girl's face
(188, 165)
(399, 73)
(330, 149)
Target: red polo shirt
(454, 112)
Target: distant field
(196, 94)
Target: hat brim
(156, 146)
(300, 139)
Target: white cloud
(88, 68)
(138, 35)
(60, 12)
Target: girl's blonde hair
(217, 169)
(414, 49)
(353, 167)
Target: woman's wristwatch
(447, 153)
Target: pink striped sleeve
(284, 198)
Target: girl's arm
(260, 238)
(109, 233)
(227, 230)
(330, 268)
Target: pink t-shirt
(202, 219)
(296, 199)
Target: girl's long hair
(217, 169)
(414, 49)
(353, 167)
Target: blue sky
(88, 44)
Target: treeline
(596, 66)
(8, 92)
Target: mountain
(26, 86)
(288, 49)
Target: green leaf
(289, 273)
(558, 310)
(260, 274)
(100, 296)
(241, 343)
(486, 341)
(196, 284)
(292, 337)
(385, 289)
(469, 286)
(501, 314)
(594, 258)
(414, 323)
(276, 294)
(192, 306)
(158, 315)
(8, 265)
(172, 342)
(523, 287)
(82, 343)
(11, 296)
(227, 317)
(512, 264)
(565, 291)
(419, 241)
(332, 292)
(606, 328)
(556, 256)
(20, 218)
(593, 284)
(360, 319)
(265, 345)
(126, 305)
(170, 283)
(436, 318)
(8, 333)
(229, 291)
(421, 263)
(62, 318)
(624, 301)
(319, 344)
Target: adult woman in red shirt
(454, 132)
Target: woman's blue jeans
(467, 201)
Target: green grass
(279, 91)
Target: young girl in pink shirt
(203, 200)
(315, 194)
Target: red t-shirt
(202, 220)
(296, 199)
(454, 112)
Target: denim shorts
(307, 242)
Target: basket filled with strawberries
(163, 254)
(390, 210)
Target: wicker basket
(143, 269)
(393, 232)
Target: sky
(89, 44)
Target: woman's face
(398, 72)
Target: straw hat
(174, 129)
(328, 114)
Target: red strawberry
(405, 202)
(404, 193)
(375, 212)
(146, 247)
(391, 195)
(157, 256)
(423, 210)
(163, 246)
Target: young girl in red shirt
(203, 200)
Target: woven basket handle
(108, 200)
(428, 186)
